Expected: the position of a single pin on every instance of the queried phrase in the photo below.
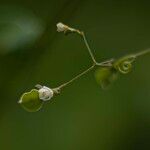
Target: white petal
(45, 93)
(61, 27)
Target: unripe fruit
(30, 101)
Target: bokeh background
(83, 116)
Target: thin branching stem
(142, 52)
(88, 47)
(76, 77)
(107, 63)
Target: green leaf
(30, 101)
(106, 76)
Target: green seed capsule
(30, 101)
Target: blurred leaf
(19, 28)
(106, 76)
(30, 101)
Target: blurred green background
(83, 116)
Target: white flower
(61, 27)
(45, 93)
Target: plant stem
(76, 77)
(107, 63)
(142, 52)
(87, 45)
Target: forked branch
(32, 101)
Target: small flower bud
(45, 93)
(64, 28)
(61, 27)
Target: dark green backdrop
(83, 117)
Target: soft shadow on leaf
(106, 76)
(30, 101)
